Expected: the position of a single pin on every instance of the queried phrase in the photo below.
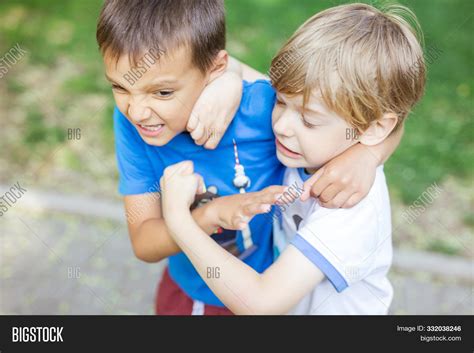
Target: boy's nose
(283, 125)
(137, 111)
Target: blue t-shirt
(248, 142)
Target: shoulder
(354, 232)
(258, 97)
(348, 244)
(121, 123)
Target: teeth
(151, 127)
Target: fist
(179, 185)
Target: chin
(159, 140)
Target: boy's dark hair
(135, 26)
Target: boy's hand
(215, 109)
(345, 180)
(236, 211)
(179, 185)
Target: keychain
(242, 182)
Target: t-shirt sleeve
(257, 105)
(342, 243)
(136, 174)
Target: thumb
(186, 168)
(201, 187)
(309, 183)
(192, 122)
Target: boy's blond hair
(364, 62)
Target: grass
(438, 140)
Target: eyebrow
(314, 111)
(307, 107)
(153, 84)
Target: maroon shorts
(171, 300)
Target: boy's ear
(219, 65)
(379, 130)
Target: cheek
(121, 102)
(325, 144)
(319, 145)
(166, 110)
(174, 113)
(276, 115)
(313, 146)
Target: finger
(185, 168)
(214, 138)
(198, 132)
(256, 208)
(211, 144)
(201, 187)
(337, 200)
(353, 200)
(329, 193)
(271, 194)
(175, 168)
(275, 189)
(202, 140)
(192, 122)
(267, 197)
(240, 222)
(313, 182)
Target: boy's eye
(279, 102)
(118, 88)
(163, 93)
(308, 125)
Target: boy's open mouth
(285, 150)
(151, 130)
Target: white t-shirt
(352, 247)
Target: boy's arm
(246, 72)
(216, 106)
(241, 289)
(149, 235)
(218, 103)
(346, 180)
(250, 74)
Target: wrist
(207, 216)
(372, 153)
(211, 213)
(174, 218)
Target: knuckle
(333, 173)
(348, 204)
(210, 144)
(329, 204)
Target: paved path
(72, 255)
